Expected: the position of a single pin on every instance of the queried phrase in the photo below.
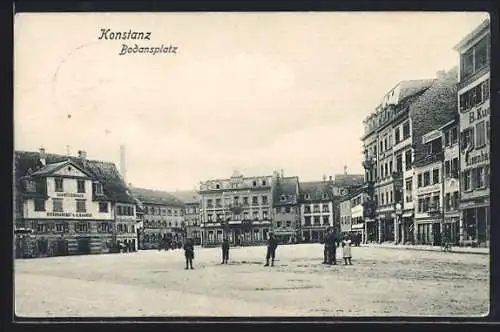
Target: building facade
(162, 220)
(357, 201)
(72, 204)
(429, 191)
(286, 210)
(316, 209)
(345, 214)
(474, 119)
(238, 207)
(451, 187)
(192, 218)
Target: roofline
(62, 164)
(471, 35)
(446, 124)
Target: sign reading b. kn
(108, 34)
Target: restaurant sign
(76, 195)
(69, 214)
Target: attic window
(307, 196)
(255, 183)
(282, 197)
(97, 188)
(69, 168)
(325, 196)
(263, 182)
(217, 186)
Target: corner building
(238, 207)
(475, 153)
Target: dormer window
(325, 196)
(282, 198)
(307, 196)
(263, 182)
(97, 188)
(217, 186)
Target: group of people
(329, 253)
(330, 250)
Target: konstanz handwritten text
(124, 35)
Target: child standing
(346, 250)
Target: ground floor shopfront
(62, 237)
(476, 223)
(406, 229)
(371, 233)
(160, 238)
(286, 237)
(313, 234)
(386, 229)
(238, 234)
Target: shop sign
(75, 195)
(69, 214)
(479, 113)
(481, 157)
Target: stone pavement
(455, 249)
(381, 282)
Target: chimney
(123, 169)
(282, 173)
(330, 179)
(43, 156)
(82, 154)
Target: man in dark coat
(225, 250)
(272, 244)
(189, 252)
(331, 247)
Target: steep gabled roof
(151, 196)
(51, 168)
(106, 173)
(348, 180)
(287, 188)
(315, 190)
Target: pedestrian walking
(346, 250)
(272, 244)
(189, 253)
(225, 250)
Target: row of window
(57, 205)
(428, 203)
(424, 179)
(161, 224)
(157, 211)
(80, 227)
(451, 168)
(236, 201)
(481, 137)
(475, 59)
(388, 197)
(451, 201)
(286, 209)
(280, 224)
(476, 178)
(245, 216)
(345, 220)
(235, 185)
(59, 186)
(475, 96)
(316, 220)
(316, 209)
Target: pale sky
(255, 92)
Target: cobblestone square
(381, 282)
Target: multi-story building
(286, 211)
(192, 215)
(238, 207)
(397, 126)
(451, 188)
(429, 190)
(72, 204)
(474, 114)
(345, 214)
(163, 217)
(316, 209)
(387, 137)
(357, 200)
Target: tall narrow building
(474, 118)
